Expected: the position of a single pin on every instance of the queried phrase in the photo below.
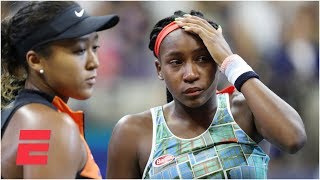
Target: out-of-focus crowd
(279, 40)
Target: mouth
(194, 91)
(91, 80)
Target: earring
(41, 71)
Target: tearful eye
(175, 62)
(203, 58)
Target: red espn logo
(24, 151)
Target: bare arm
(275, 120)
(65, 154)
(122, 152)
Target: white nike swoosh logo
(79, 14)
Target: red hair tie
(163, 33)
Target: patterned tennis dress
(223, 151)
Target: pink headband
(163, 33)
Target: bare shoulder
(130, 146)
(237, 99)
(135, 123)
(242, 114)
(65, 141)
(134, 130)
(39, 116)
(238, 104)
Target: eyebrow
(172, 53)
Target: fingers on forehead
(193, 19)
(198, 20)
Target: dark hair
(14, 70)
(162, 23)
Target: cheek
(212, 72)
(64, 72)
(171, 80)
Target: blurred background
(279, 40)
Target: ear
(34, 61)
(158, 66)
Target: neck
(39, 85)
(203, 114)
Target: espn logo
(24, 151)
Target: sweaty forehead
(179, 39)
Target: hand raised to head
(211, 37)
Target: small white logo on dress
(163, 160)
(79, 14)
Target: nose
(191, 73)
(92, 61)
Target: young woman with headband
(202, 133)
(49, 54)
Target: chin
(195, 103)
(84, 98)
(83, 95)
